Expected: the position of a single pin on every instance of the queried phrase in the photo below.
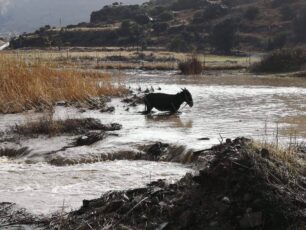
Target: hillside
(184, 25)
(18, 16)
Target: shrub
(210, 13)
(160, 27)
(251, 13)
(191, 66)
(166, 16)
(281, 61)
(142, 19)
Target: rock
(112, 127)
(82, 110)
(61, 103)
(251, 220)
(226, 200)
(89, 138)
(157, 149)
(108, 109)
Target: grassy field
(129, 59)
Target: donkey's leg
(148, 107)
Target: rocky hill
(184, 25)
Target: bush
(142, 19)
(191, 66)
(160, 27)
(166, 16)
(210, 13)
(251, 13)
(281, 61)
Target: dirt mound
(243, 187)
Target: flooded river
(225, 106)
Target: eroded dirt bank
(239, 186)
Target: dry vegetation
(30, 84)
(128, 58)
(191, 66)
(284, 60)
(48, 126)
(13, 153)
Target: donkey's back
(167, 102)
(162, 102)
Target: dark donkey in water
(167, 102)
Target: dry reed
(25, 85)
(191, 66)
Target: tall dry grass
(25, 85)
(191, 66)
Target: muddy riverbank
(239, 186)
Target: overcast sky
(28, 15)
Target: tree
(223, 35)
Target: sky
(18, 16)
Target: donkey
(167, 102)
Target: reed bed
(27, 84)
(191, 66)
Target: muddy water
(43, 188)
(226, 105)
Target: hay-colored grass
(26, 85)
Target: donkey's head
(187, 97)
